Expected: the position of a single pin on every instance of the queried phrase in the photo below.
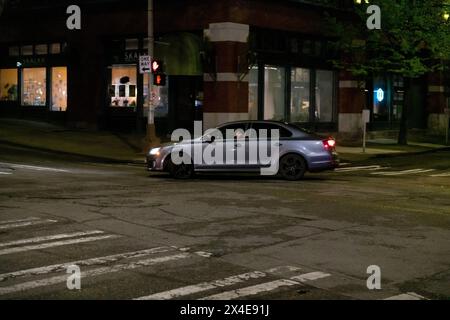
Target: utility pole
(151, 138)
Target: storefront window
(123, 90)
(8, 84)
(59, 89)
(300, 100)
(34, 87)
(253, 93)
(324, 96)
(274, 93)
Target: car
(297, 151)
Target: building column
(226, 80)
(436, 103)
(351, 102)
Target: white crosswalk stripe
(87, 262)
(446, 174)
(361, 168)
(267, 286)
(25, 223)
(18, 220)
(118, 267)
(407, 296)
(35, 168)
(404, 172)
(5, 173)
(48, 238)
(13, 248)
(221, 283)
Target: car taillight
(329, 144)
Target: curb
(398, 154)
(76, 155)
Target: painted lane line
(206, 286)
(5, 173)
(86, 262)
(19, 220)
(407, 296)
(405, 172)
(25, 224)
(92, 273)
(267, 287)
(37, 168)
(55, 244)
(48, 238)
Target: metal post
(364, 136)
(152, 139)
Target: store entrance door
(185, 102)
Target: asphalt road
(140, 235)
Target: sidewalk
(386, 148)
(104, 146)
(99, 146)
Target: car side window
(284, 133)
(237, 129)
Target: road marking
(25, 224)
(48, 238)
(404, 172)
(446, 174)
(55, 244)
(37, 168)
(87, 262)
(267, 287)
(206, 286)
(5, 173)
(92, 273)
(19, 220)
(363, 168)
(407, 296)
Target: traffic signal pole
(151, 138)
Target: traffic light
(157, 66)
(159, 79)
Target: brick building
(225, 60)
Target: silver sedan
(268, 147)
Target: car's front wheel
(292, 167)
(181, 171)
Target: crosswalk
(377, 170)
(94, 268)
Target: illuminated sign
(380, 95)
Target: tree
(414, 40)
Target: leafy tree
(414, 40)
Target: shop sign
(32, 61)
(131, 56)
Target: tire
(181, 171)
(292, 167)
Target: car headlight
(155, 151)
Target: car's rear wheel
(292, 167)
(181, 171)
